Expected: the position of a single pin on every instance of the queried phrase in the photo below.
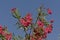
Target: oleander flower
(40, 24)
(40, 38)
(13, 10)
(26, 20)
(23, 22)
(32, 38)
(1, 29)
(48, 29)
(51, 21)
(8, 36)
(49, 11)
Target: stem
(37, 19)
(39, 14)
(25, 34)
(30, 31)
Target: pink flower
(4, 33)
(32, 38)
(52, 21)
(28, 18)
(13, 10)
(40, 24)
(44, 35)
(8, 36)
(28, 21)
(40, 38)
(48, 29)
(1, 29)
(23, 22)
(49, 11)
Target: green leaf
(14, 16)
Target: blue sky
(25, 6)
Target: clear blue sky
(25, 6)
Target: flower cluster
(40, 33)
(26, 20)
(5, 34)
(40, 29)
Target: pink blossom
(13, 10)
(48, 29)
(52, 21)
(1, 29)
(40, 38)
(8, 36)
(28, 16)
(4, 33)
(49, 11)
(23, 22)
(26, 20)
(32, 38)
(40, 24)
